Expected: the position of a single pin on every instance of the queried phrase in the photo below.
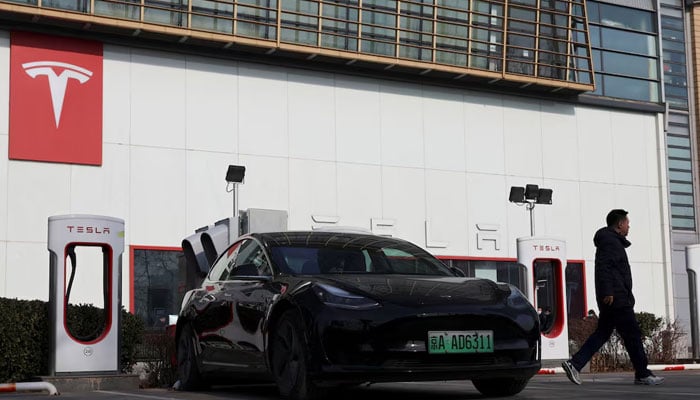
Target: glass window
(683, 223)
(674, 57)
(678, 141)
(597, 60)
(678, 118)
(378, 26)
(679, 164)
(300, 25)
(680, 188)
(685, 211)
(168, 12)
(629, 88)
(594, 33)
(677, 103)
(223, 265)
(593, 11)
(614, 39)
(416, 31)
(157, 290)
(681, 199)
(251, 260)
(118, 10)
(676, 80)
(676, 69)
(339, 31)
(257, 18)
(679, 130)
(598, 84)
(673, 23)
(486, 45)
(672, 34)
(676, 91)
(625, 64)
(379, 257)
(575, 290)
(212, 16)
(681, 176)
(627, 18)
(674, 46)
(72, 5)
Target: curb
(653, 367)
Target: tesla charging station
(544, 259)
(102, 240)
(692, 266)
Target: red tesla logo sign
(55, 99)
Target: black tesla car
(313, 310)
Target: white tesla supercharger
(544, 259)
(86, 249)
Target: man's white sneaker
(651, 380)
(571, 372)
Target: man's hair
(615, 217)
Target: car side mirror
(458, 272)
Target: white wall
(350, 148)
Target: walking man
(613, 287)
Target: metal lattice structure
(524, 42)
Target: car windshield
(403, 259)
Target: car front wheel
(187, 368)
(288, 359)
(499, 387)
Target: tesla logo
(57, 83)
(545, 247)
(88, 229)
(55, 99)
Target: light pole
(530, 195)
(234, 177)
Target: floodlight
(530, 195)
(517, 194)
(544, 196)
(531, 192)
(235, 174)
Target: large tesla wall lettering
(55, 99)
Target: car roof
(327, 239)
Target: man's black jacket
(613, 276)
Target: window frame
(132, 283)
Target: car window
(298, 260)
(402, 262)
(251, 260)
(220, 270)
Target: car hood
(423, 290)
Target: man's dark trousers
(624, 320)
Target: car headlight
(336, 297)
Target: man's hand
(608, 300)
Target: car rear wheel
(288, 359)
(187, 368)
(500, 386)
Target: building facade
(408, 118)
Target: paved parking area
(678, 385)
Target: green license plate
(441, 342)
